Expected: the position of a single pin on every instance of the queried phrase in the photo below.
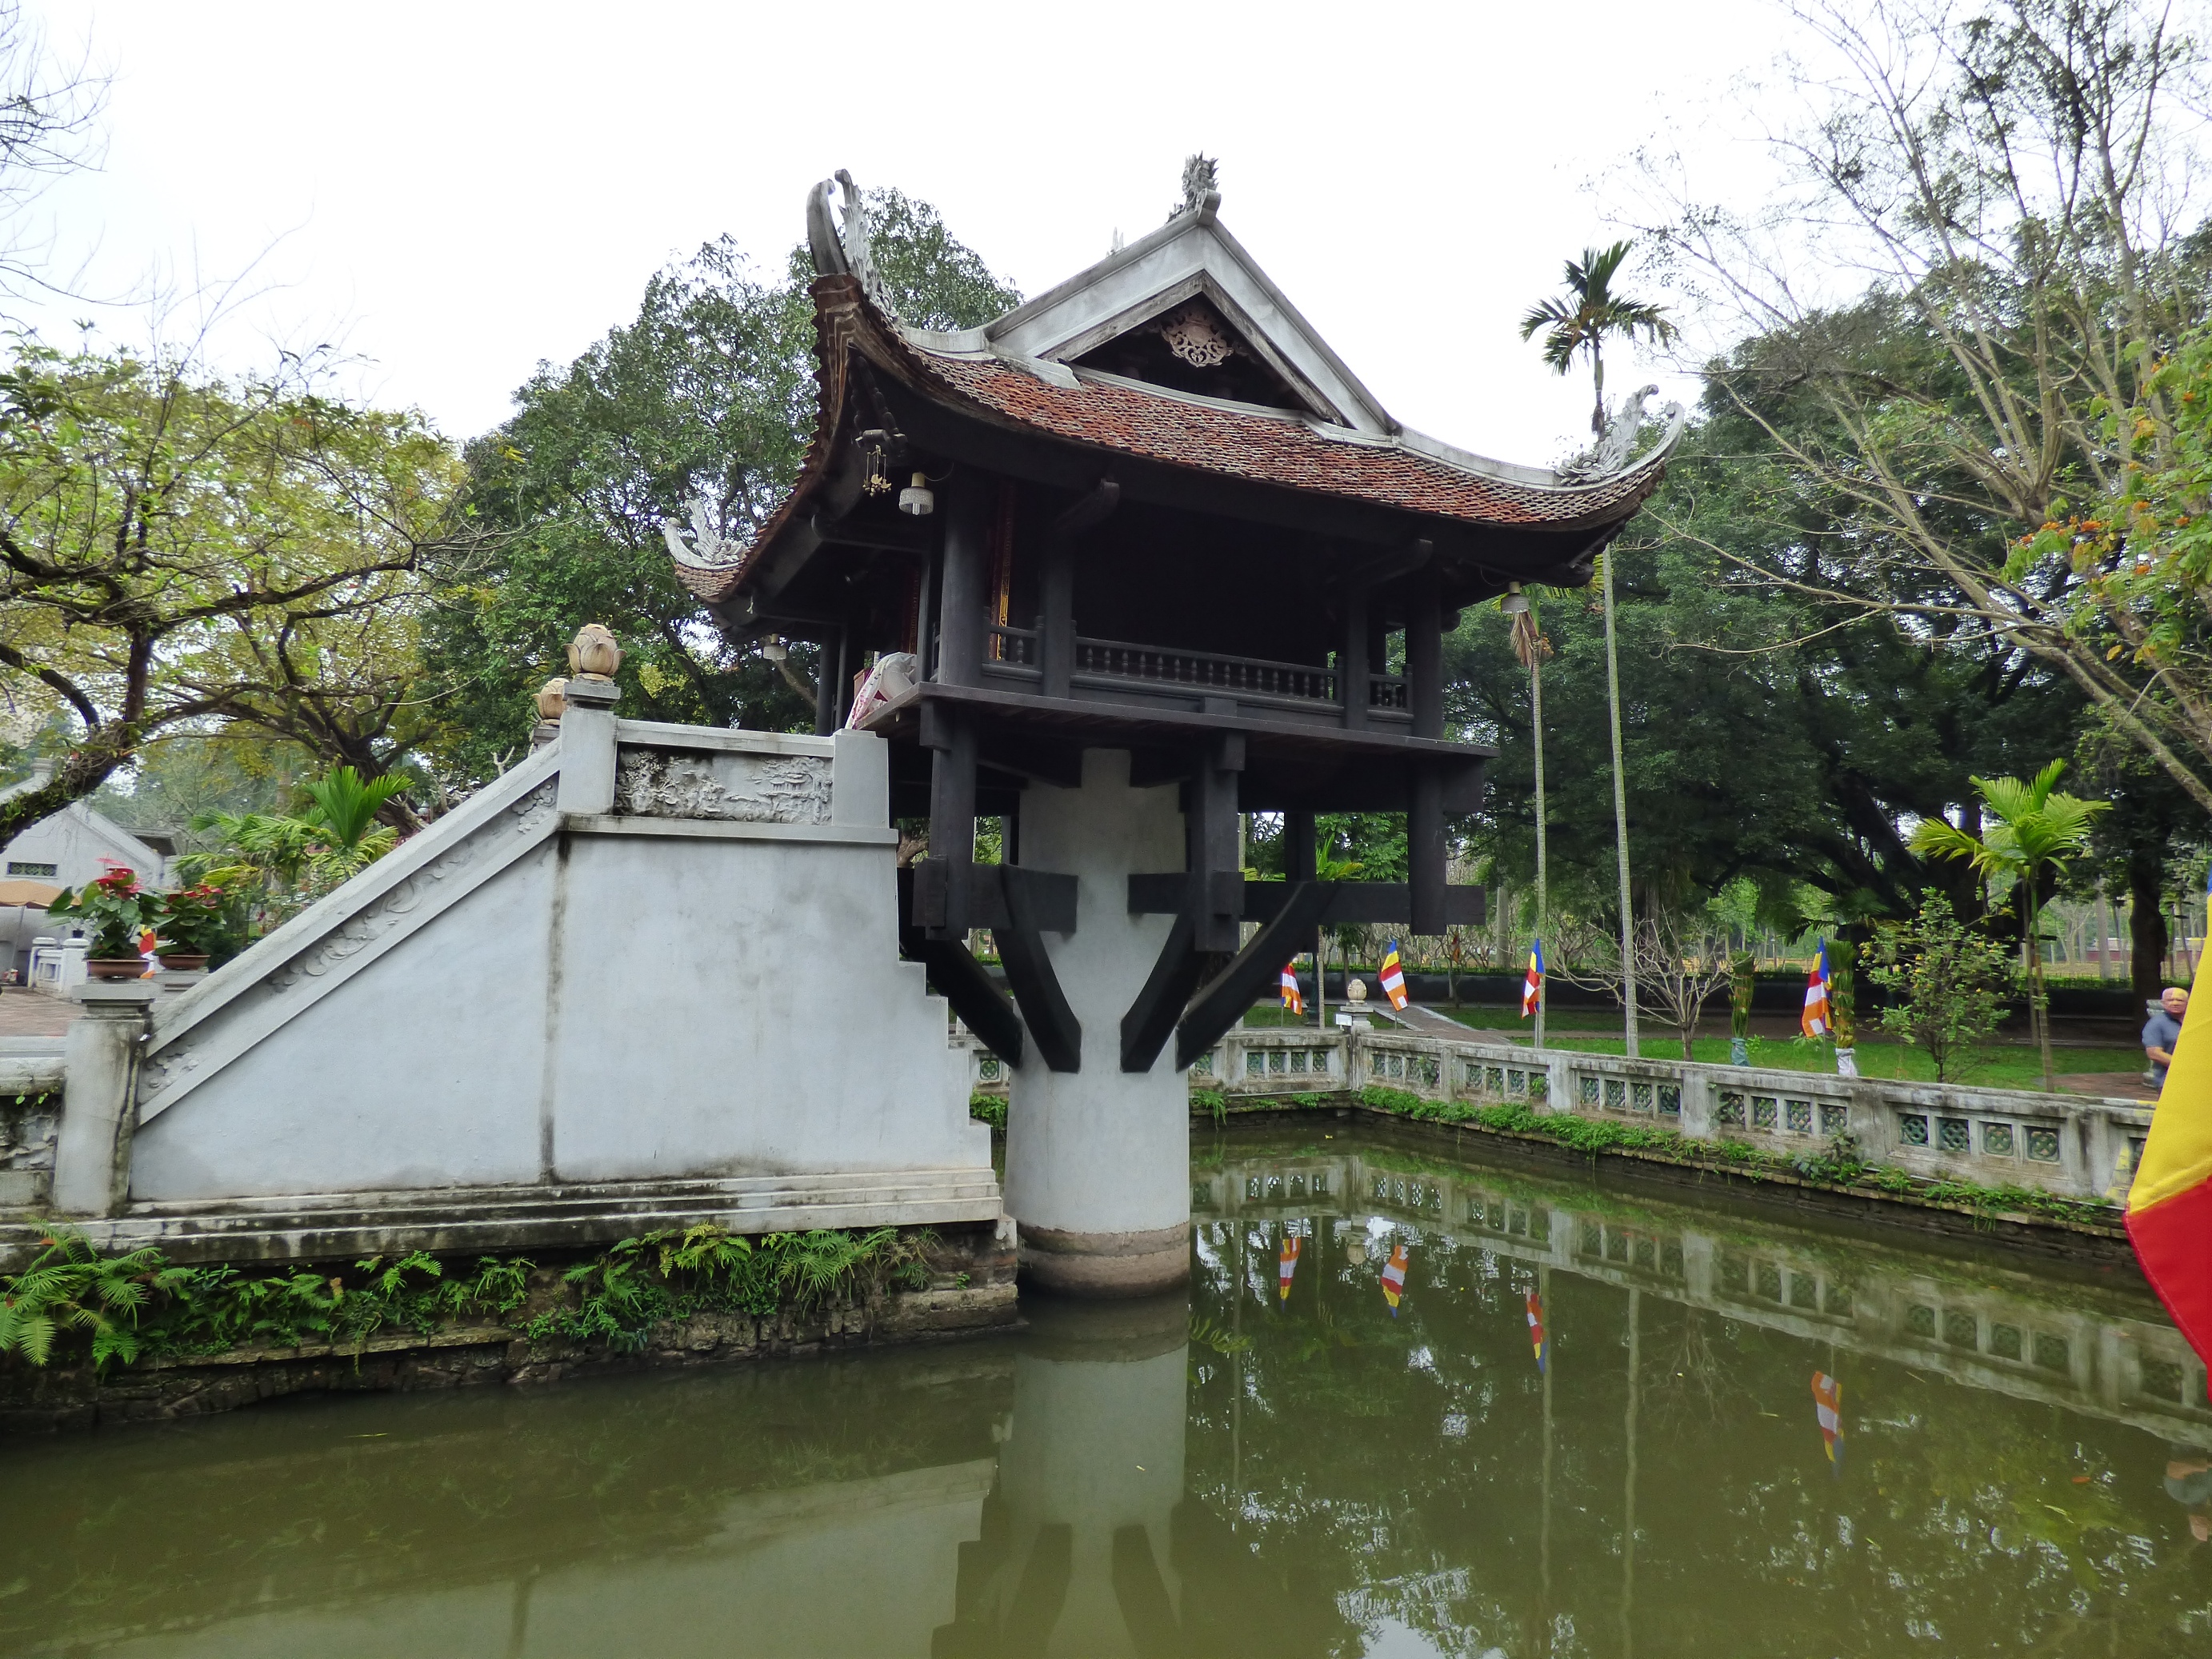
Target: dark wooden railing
(1248, 677)
(1015, 647)
(1019, 652)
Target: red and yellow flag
(1286, 1266)
(2170, 1205)
(1819, 1019)
(1293, 999)
(1392, 977)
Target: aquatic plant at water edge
(137, 1305)
(70, 1287)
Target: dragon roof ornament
(1201, 187)
(840, 241)
(709, 549)
(1608, 457)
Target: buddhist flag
(1286, 1267)
(1393, 978)
(1532, 987)
(1293, 999)
(2170, 1205)
(1817, 1020)
(1536, 1328)
(1393, 1279)
(147, 940)
(1828, 1407)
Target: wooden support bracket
(1152, 1018)
(1222, 1002)
(1031, 895)
(960, 981)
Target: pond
(1748, 1432)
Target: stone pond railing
(2073, 1147)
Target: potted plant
(115, 910)
(191, 923)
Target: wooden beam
(1349, 901)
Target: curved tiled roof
(1109, 414)
(1286, 450)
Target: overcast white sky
(458, 191)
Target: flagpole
(1621, 816)
(1536, 701)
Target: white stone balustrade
(2071, 1146)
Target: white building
(73, 846)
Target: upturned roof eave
(846, 321)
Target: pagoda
(1139, 556)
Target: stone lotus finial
(1356, 991)
(594, 654)
(552, 702)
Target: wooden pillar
(1425, 657)
(1425, 851)
(827, 701)
(941, 900)
(966, 580)
(1352, 658)
(1216, 881)
(1056, 585)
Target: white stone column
(1098, 1160)
(100, 1108)
(587, 746)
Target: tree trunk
(2146, 919)
(2039, 999)
(95, 759)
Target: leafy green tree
(2036, 831)
(2008, 176)
(1948, 983)
(179, 550)
(1782, 733)
(708, 394)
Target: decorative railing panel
(1201, 671)
(2072, 1145)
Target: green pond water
(1281, 1464)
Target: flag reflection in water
(1393, 1279)
(1828, 1407)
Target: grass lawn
(1999, 1066)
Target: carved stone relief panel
(660, 783)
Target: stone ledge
(480, 1220)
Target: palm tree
(290, 859)
(1581, 321)
(2036, 830)
(1588, 314)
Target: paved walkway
(32, 1013)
